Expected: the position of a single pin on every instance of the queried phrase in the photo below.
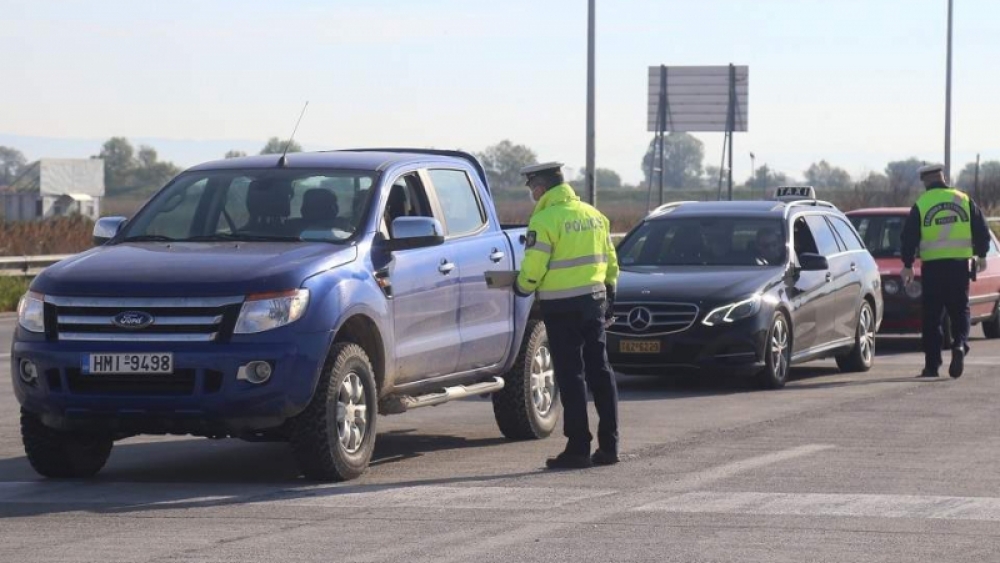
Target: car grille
(173, 319)
(653, 319)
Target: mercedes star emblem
(640, 318)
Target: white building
(54, 187)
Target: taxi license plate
(639, 346)
(159, 363)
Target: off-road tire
(861, 356)
(60, 454)
(775, 374)
(314, 433)
(514, 406)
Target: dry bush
(62, 235)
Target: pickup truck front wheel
(63, 455)
(527, 407)
(334, 437)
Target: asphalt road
(857, 468)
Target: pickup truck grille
(652, 318)
(181, 319)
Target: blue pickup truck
(275, 298)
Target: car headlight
(733, 311)
(914, 290)
(31, 312)
(266, 311)
(890, 286)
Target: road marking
(843, 505)
(701, 479)
(4, 356)
(452, 498)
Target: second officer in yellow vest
(948, 229)
(570, 263)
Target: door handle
(854, 267)
(497, 255)
(446, 267)
(829, 276)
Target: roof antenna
(282, 161)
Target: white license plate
(162, 363)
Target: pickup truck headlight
(733, 312)
(31, 312)
(266, 311)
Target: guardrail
(28, 265)
(33, 265)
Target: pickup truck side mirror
(106, 228)
(415, 232)
(811, 262)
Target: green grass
(11, 290)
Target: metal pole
(591, 177)
(731, 123)
(663, 121)
(947, 104)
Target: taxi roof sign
(795, 193)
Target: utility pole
(591, 178)
(947, 104)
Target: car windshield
(255, 205)
(705, 241)
(880, 233)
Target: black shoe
(929, 372)
(957, 365)
(567, 460)
(602, 457)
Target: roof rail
(663, 208)
(468, 157)
(807, 202)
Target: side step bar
(402, 403)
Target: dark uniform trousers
(945, 289)
(580, 360)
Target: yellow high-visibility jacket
(568, 249)
(945, 225)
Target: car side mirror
(810, 262)
(415, 232)
(106, 228)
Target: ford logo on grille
(640, 318)
(132, 320)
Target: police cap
(535, 169)
(930, 169)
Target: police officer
(949, 229)
(570, 262)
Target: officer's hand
(907, 275)
(980, 265)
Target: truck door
(485, 316)
(425, 292)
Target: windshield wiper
(242, 237)
(149, 238)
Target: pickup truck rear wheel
(334, 437)
(527, 407)
(63, 455)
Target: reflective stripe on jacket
(568, 248)
(945, 225)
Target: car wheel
(991, 328)
(59, 454)
(778, 353)
(333, 438)
(527, 407)
(862, 354)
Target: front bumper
(737, 349)
(202, 396)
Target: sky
(855, 82)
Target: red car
(880, 229)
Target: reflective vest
(568, 249)
(945, 225)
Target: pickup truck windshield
(256, 205)
(705, 241)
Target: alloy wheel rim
(352, 413)
(779, 348)
(543, 381)
(867, 330)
